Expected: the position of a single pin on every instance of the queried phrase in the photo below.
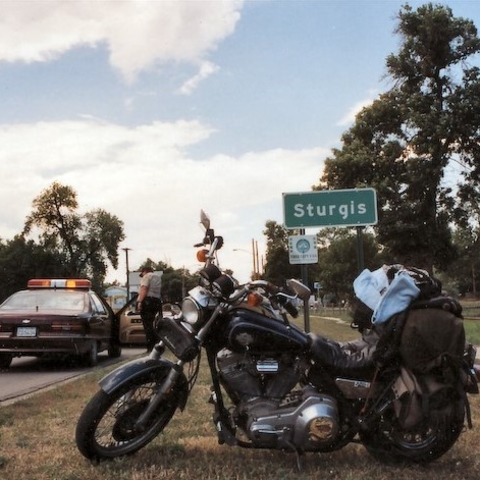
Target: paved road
(28, 375)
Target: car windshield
(38, 300)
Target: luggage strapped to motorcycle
(424, 343)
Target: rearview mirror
(301, 290)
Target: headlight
(223, 286)
(191, 311)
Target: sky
(153, 110)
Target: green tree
(21, 260)
(402, 144)
(86, 242)
(338, 260)
(277, 264)
(463, 275)
(102, 233)
(157, 266)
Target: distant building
(116, 297)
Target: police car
(57, 316)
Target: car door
(101, 322)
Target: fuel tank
(249, 330)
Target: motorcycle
(274, 386)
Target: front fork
(165, 390)
(176, 372)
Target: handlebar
(269, 287)
(291, 309)
(241, 292)
(283, 298)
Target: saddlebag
(422, 397)
(431, 349)
(432, 338)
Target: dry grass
(37, 443)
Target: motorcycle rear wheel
(423, 444)
(106, 427)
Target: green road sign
(328, 208)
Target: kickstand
(298, 457)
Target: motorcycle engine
(268, 409)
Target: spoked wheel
(106, 429)
(423, 444)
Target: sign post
(303, 250)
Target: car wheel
(91, 357)
(114, 350)
(5, 360)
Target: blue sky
(154, 110)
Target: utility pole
(256, 272)
(126, 250)
(256, 263)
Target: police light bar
(78, 283)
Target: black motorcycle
(273, 385)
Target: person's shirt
(153, 282)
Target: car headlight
(191, 311)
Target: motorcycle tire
(422, 444)
(105, 429)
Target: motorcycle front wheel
(423, 444)
(106, 428)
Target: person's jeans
(148, 314)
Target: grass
(471, 308)
(472, 331)
(471, 313)
(37, 443)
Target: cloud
(349, 117)
(145, 176)
(206, 69)
(139, 35)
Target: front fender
(136, 368)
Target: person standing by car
(149, 303)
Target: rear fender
(137, 368)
